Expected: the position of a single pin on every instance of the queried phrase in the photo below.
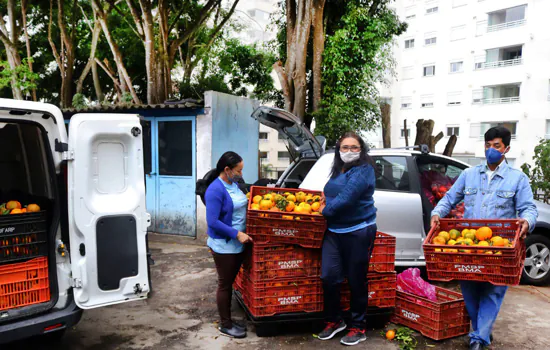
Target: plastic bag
(409, 281)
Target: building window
(403, 133)
(263, 155)
(430, 41)
(457, 67)
(407, 73)
(409, 44)
(505, 19)
(263, 136)
(458, 33)
(452, 130)
(454, 98)
(426, 101)
(512, 126)
(432, 10)
(429, 71)
(283, 155)
(406, 102)
(409, 13)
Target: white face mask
(348, 157)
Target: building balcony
(495, 101)
(505, 25)
(499, 94)
(498, 64)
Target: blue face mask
(493, 156)
(234, 177)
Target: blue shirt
(238, 222)
(507, 195)
(349, 198)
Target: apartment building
(470, 65)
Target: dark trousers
(347, 255)
(227, 266)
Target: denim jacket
(507, 196)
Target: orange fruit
(255, 206)
(291, 198)
(268, 197)
(498, 241)
(484, 233)
(390, 334)
(307, 207)
(24, 210)
(290, 206)
(33, 208)
(439, 240)
(13, 205)
(16, 211)
(257, 199)
(287, 217)
(316, 206)
(445, 235)
(299, 209)
(266, 204)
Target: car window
(392, 173)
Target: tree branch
(109, 73)
(50, 40)
(119, 11)
(13, 21)
(205, 13)
(137, 17)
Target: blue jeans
(347, 255)
(483, 301)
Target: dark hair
(499, 132)
(339, 164)
(228, 159)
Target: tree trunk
(406, 132)
(10, 39)
(301, 34)
(424, 129)
(318, 49)
(385, 110)
(68, 53)
(125, 81)
(96, 32)
(27, 41)
(449, 148)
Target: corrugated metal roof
(182, 104)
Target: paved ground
(181, 315)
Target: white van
(90, 234)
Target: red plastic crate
(504, 268)
(23, 236)
(275, 227)
(383, 254)
(23, 284)
(267, 262)
(382, 291)
(445, 318)
(282, 296)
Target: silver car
(403, 209)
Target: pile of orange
(300, 203)
(482, 237)
(14, 207)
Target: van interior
(28, 282)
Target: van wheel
(537, 262)
(54, 337)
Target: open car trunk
(28, 281)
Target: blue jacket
(507, 196)
(219, 211)
(349, 200)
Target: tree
(9, 35)
(424, 130)
(539, 174)
(385, 111)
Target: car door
(399, 207)
(107, 214)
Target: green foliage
(25, 79)
(404, 336)
(356, 57)
(540, 173)
(79, 101)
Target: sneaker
(331, 329)
(354, 337)
(232, 332)
(240, 325)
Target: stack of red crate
(381, 278)
(280, 274)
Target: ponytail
(228, 159)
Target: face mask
(348, 157)
(493, 156)
(234, 178)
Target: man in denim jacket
(490, 191)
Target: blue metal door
(150, 167)
(174, 173)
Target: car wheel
(537, 261)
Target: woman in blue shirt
(349, 240)
(226, 208)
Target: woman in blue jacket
(226, 218)
(349, 240)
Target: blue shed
(182, 141)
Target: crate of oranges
(289, 216)
(475, 250)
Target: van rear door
(107, 215)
